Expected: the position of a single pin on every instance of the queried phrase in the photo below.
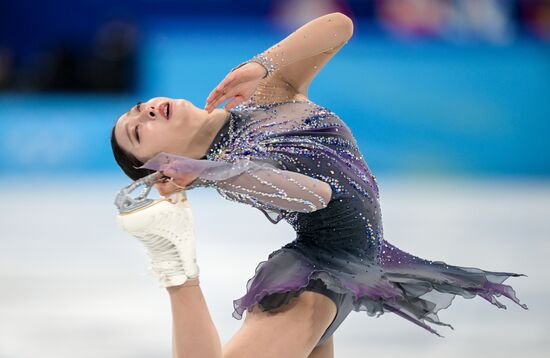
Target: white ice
(73, 284)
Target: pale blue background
(428, 108)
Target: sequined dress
(273, 157)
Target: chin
(185, 103)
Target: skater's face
(146, 130)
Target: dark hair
(127, 161)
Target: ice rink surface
(73, 284)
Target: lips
(164, 110)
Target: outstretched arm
(301, 55)
(255, 182)
(289, 66)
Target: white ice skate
(166, 228)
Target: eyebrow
(137, 105)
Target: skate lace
(164, 255)
(159, 239)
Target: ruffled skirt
(409, 286)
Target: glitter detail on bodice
(298, 161)
(303, 137)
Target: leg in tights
(194, 333)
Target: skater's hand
(239, 84)
(167, 187)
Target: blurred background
(450, 104)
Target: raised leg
(194, 333)
(291, 331)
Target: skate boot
(166, 228)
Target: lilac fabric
(340, 242)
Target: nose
(151, 112)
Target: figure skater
(274, 149)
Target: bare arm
(290, 65)
(251, 181)
(298, 58)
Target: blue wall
(430, 108)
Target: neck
(213, 122)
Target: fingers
(219, 89)
(176, 181)
(168, 188)
(240, 94)
(165, 189)
(235, 101)
(222, 89)
(170, 173)
(209, 108)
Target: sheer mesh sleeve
(323, 35)
(255, 182)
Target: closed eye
(138, 108)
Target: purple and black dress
(273, 157)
